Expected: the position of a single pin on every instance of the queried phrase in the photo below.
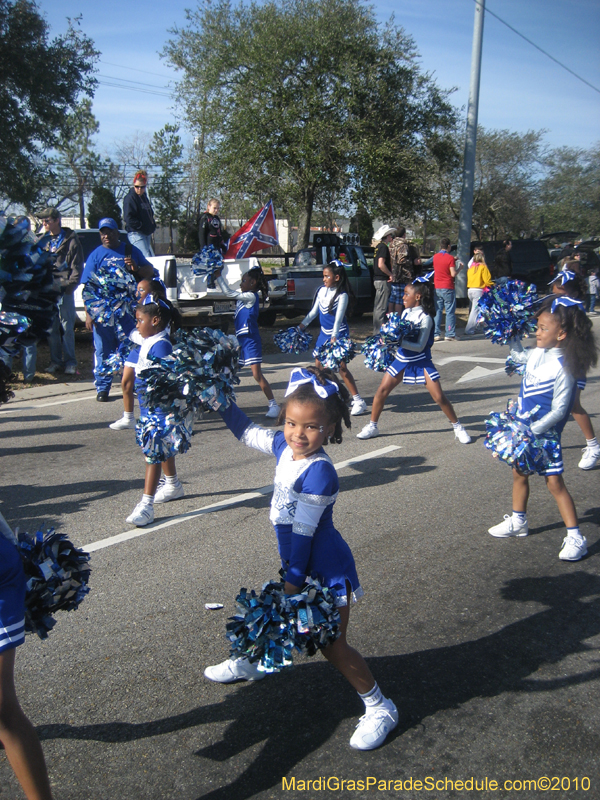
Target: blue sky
(521, 89)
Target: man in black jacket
(68, 266)
(138, 215)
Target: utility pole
(466, 200)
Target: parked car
(197, 304)
(530, 258)
(303, 275)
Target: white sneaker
(358, 407)
(374, 726)
(234, 669)
(273, 412)
(591, 456)
(509, 528)
(142, 514)
(573, 549)
(462, 436)
(70, 369)
(370, 431)
(168, 491)
(122, 424)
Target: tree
(302, 99)
(362, 224)
(570, 190)
(40, 81)
(75, 166)
(166, 151)
(103, 204)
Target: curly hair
(258, 276)
(579, 345)
(335, 406)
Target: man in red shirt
(445, 270)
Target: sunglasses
(135, 186)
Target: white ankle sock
(372, 698)
(520, 517)
(575, 534)
(592, 443)
(456, 425)
(148, 499)
(172, 479)
(128, 415)
(272, 403)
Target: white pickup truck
(197, 304)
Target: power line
(127, 80)
(135, 89)
(133, 69)
(537, 47)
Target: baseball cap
(108, 222)
(49, 213)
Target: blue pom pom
(199, 375)
(206, 262)
(380, 350)
(268, 627)
(507, 311)
(331, 354)
(512, 367)
(293, 340)
(57, 578)
(162, 436)
(510, 438)
(113, 365)
(109, 296)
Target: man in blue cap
(111, 253)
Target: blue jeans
(445, 298)
(63, 345)
(143, 243)
(29, 354)
(105, 344)
(593, 302)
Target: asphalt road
(488, 647)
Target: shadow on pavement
(313, 700)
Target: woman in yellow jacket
(478, 279)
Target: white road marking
(471, 359)
(33, 406)
(241, 498)
(478, 372)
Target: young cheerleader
(413, 362)
(17, 734)
(153, 317)
(306, 487)
(565, 349)
(246, 327)
(127, 421)
(331, 303)
(570, 284)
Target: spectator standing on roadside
(382, 275)
(593, 285)
(211, 230)
(139, 216)
(502, 269)
(111, 252)
(478, 279)
(404, 258)
(444, 272)
(68, 266)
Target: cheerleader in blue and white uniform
(246, 327)
(306, 487)
(413, 364)
(331, 304)
(17, 734)
(565, 351)
(154, 317)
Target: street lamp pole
(466, 200)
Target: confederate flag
(257, 234)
